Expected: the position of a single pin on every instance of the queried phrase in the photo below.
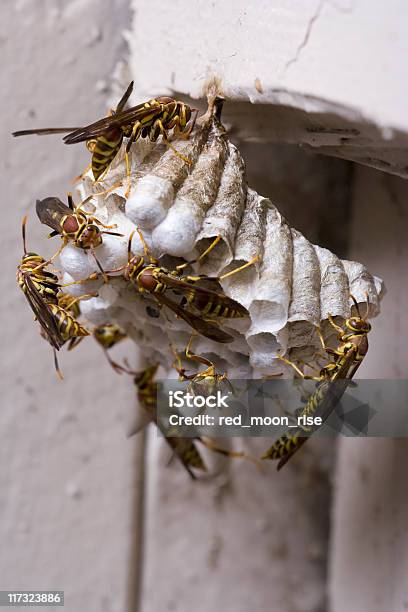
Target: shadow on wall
(312, 191)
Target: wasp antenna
(367, 305)
(112, 233)
(355, 304)
(145, 247)
(98, 263)
(57, 368)
(130, 245)
(70, 201)
(125, 97)
(245, 265)
(23, 232)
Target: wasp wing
(45, 131)
(43, 314)
(331, 391)
(124, 98)
(188, 454)
(289, 455)
(50, 212)
(205, 328)
(68, 130)
(120, 119)
(201, 297)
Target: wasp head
(358, 325)
(90, 237)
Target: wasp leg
(135, 135)
(246, 265)
(297, 370)
(105, 191)
(333, 324)
(127, 162)
(179, 131)
(198, 358)
(199, 258)
(81, 176)
(74, 342)
(227, 453)
(146, 249)
(158, 128)
(75, 300)
(56, 364)
(91, 277)
(187, 133)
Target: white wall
(325, 74)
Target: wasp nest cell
(181, 203)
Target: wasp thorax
(147, 280)
(70, 225)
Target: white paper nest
(180, 208)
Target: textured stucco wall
(67, 482)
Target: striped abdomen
(187, 452)
(105, 150)
(283, 446)
(314, 401)
(218, 306)
(45, 283)
(68, 327)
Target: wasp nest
(180, 208)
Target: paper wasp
(184, 448)
(333, 380)
(205, 382)
(147, 120)
(66, 328)
(31, 273)
(155, 280)
(42, 290)
(108, 335)
(72, 223)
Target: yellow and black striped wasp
(205, 382)
(149, 277)
(183, 448)
(108, 335)
(333, 380)
(147, 120)
(42, 290)
(72, 223)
